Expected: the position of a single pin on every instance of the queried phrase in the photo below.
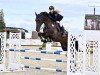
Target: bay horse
(51, 30)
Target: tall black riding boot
(63, 31)
(58, 27)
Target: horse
(51, 29)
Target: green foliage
(2, 26)
(2, 23)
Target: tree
(2, 23)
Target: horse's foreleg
(41, 35)
(41, 38)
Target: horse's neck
(50, 24)
(55, 25)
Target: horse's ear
(36, 14)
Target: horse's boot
(43, 46)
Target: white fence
(83, 53)
(86, 60)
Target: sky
(21, 13)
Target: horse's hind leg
(64, 47)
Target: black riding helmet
(51, 7)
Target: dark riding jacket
(55, 16)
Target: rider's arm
(59, 17)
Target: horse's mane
(44, 13)
(47, 14)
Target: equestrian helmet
(51, 7)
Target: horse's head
(40, 19)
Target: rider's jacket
(55, 16)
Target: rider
(55, 16)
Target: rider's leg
(61, 28)
(58, 26)
(63, 31)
